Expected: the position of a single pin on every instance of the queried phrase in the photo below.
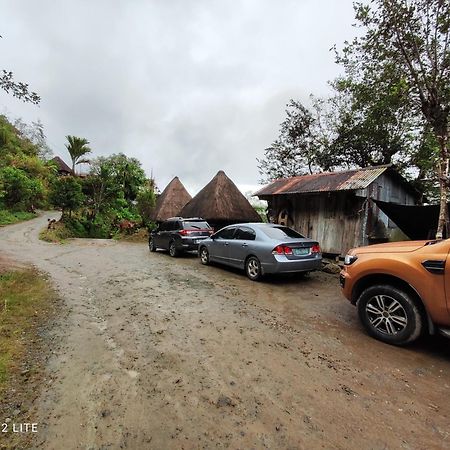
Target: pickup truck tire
(390, 314)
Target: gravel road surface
(152, 352)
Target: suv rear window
(194, 225)
(280, 232)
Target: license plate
(301, 251)
(197, 241)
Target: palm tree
(77, 148)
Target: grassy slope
(27, 302)
(8, 217)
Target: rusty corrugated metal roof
(324, 182)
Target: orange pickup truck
(401, 289)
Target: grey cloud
(189, 87)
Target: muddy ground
(152, 352)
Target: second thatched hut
(220, 203)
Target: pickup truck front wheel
(390, 314)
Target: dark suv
(179, 235)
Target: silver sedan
(261, 248)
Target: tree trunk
(443, 180)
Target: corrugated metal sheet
(324, 182)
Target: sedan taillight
(315, 248)
(282, 250)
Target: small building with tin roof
(337, 208)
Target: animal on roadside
(51, 224)
(127, 226)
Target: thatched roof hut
(171, 200)
(62, 167)
(220, 203)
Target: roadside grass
(63, 231)
(57, 235)
(27, 305)
(141, 235)
(8, 217)
(26, 298)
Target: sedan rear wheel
(390, 314)
(204, 256)
(253, 268)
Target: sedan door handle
(226, 243)
(244, 245)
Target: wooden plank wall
(333, 219)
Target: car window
(227, 233)
(196, 225)
(171, 226)
(245, 234)
(280, 232)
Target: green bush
(66, 193)
(18, 191)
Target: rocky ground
(151, 352)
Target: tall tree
(293, 153)
(412, 37)
(77, 148)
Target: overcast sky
(188, 87)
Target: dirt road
(159, 353)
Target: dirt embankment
(155, 352)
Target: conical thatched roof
(171, 200)
(220, 201)
(61, 165)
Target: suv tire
(389, 314)
(173, 252)
(151, 244)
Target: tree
(113, 184)
(17, 89)
(374, 124)
(18, 191)
(66, 193)
(293, 153)
(35, 134)
(146, 201)
(77, 148)
(412, 38)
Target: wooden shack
(337, 208)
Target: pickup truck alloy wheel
(152, 245)
(386, 314)
(390, 314)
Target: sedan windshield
(280, 232)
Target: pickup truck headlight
(350, 259)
